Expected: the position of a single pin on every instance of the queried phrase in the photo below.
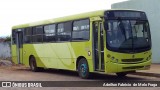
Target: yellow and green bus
(103, 41)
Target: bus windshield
(128, 35)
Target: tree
(5, 39)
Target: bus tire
(83, 69)
(33, 64)
(121, 74)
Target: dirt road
(21, 73)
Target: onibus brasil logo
(21, 84)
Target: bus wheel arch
(77, 61)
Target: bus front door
(98, 46)
(19, 46)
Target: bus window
(64, 31)
(37, 34)
(28, 35)
(49, 33)
(80, 30)
(13, 37)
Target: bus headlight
(112, 58)
(147, 58)
(108, 55)
(116, 60)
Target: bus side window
(49, 33)
(80, 30)
(13, 36)
(28, 35)
(64, 31)
(37, 34)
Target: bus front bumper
(118, 67)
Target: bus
(102, 41)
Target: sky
(14, 12)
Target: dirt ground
(11, 72)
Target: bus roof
(65, 18)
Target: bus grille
(132, 60)
(133, 67)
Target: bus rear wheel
(83, 69)
(121, 74)
(33, 64)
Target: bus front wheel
(83, 69)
